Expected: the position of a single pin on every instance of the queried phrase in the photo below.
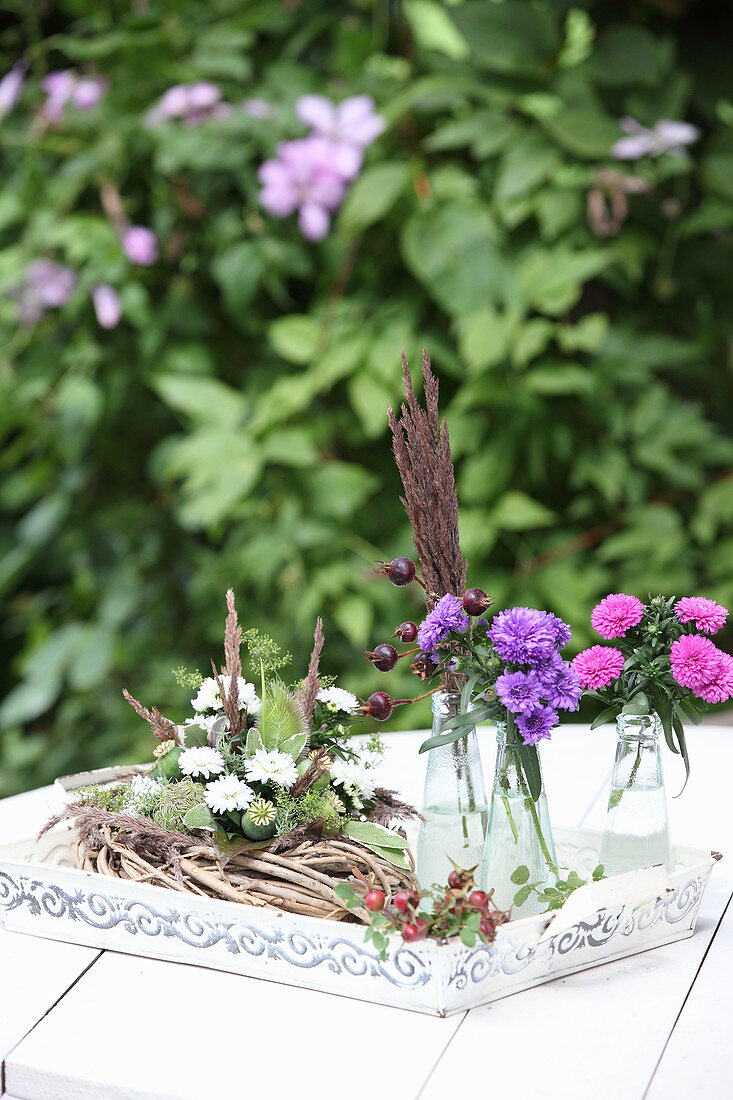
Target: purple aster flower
(666, 136)
(11, 86)
(309, 175)
(536, 725)
(519, 691)
(446, 617)
(140, 245)
(563, 633)
(564, 694)
(107, 305)
(354, 121)
(523, 635)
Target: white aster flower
(353, 777)
(228, 793)
(339, 699)
(201, 762)
(208, 697)
(141, 794)
(272, 767)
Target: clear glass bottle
(454, 802)
(637, 828)
(519, 832)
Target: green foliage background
(231, 430)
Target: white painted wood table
(79, 1023)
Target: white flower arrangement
(201, 762)
(338, 699)
(229, 792)
(209, 698)
(142, 793)
(272, 767)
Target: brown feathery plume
(232, 668)
(388, 807)
(320, 762)
(162, 727)
(422, 451)
(306, 695)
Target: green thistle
(174, 802)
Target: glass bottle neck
(446, 704)
(642, 729)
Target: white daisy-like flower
(272, 767)
(208, 697)
(228, 793)
(339, 699)
(205, 722)
(144, 784)
(201, 762)
(353, 777)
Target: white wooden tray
(43, 894)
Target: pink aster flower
(694, 661)
(11, 86)
(616, 614)
(707, 615)
(720, 685)
(598, 666)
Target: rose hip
(406, 632)
(384, 657)
(374, 900)
(477, 899)
(475, 601)
(378, 706)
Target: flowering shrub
(210, 402)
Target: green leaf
(468, 936)
(294, 337)
(432, 28)
(201, 398)
(373, 195)
(452, 249)
(238, 270)
(520, 875)
(392, 855)
(347, 894)
(524, 166)
(511, 37)
(366, 832)
(530, 764)
(584, 132)
(521, 895)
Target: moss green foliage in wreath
(233, 423)
(174, 802)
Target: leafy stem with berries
(459, 909)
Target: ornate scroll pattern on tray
(404, 968)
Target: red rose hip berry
(378, 706)
(384, 657)
(374, 900)
(406, 632)
(401, 571)
(401, 900)
(475, 601)
(477, 899)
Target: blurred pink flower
(46, 285)
(257, 108)
(616, 614)
(694, 661)
(107, 305)
(140, 245)
(64, 86)
(598, 666)
(11, 86)
(309, 175)
(666, 136)
(354, 121)
(191, 103)
(707, 615)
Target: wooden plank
(697, 1059)
(145, 1029)
(34, 973)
